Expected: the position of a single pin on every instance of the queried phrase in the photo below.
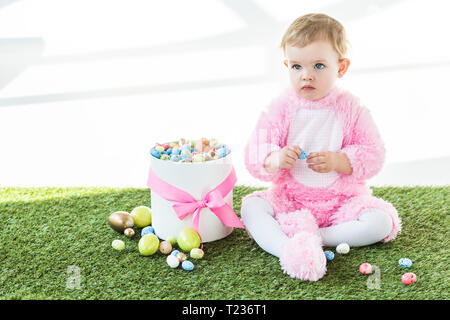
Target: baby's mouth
(308, 87)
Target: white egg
(343, 248)
(172, 261)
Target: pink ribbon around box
(186, 204)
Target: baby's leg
(372, 226)
(258, 217)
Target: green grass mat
(44, 231)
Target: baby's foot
(303, 257)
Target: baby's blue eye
(319, 66)
(296, 66)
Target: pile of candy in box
(183, 150)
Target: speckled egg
(405, 262)
(118, 245)
(175, 252)
(129, 232)
(147, 230)
(181, 256)
(329, 255)
(365, 268)
(409, 278)
(165, 247)
(187, 265)
(196, 253)
(172, 261)
(343, 248)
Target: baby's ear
(343, 67)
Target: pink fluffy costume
(303, 201)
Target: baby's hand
(283, 159)
(323, 162)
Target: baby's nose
(306, 75)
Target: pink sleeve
(268, 136)
(366, 150)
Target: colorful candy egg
(187, 265)
(142, 216)
(129, 232)
(409, 278)
(303, 155)
(165, 157)
(343, 248)
(118, 245)
(329, 255)
(196, 253)
(155, 153)
(165, 247)
(181, 256)
(172, 261)
(175, 157)
(175, 252)
(148, 244)
(188, 239)
(405, 262)
(120, 220)
(198, 158)
(147, 230)
(222, 152)
(365, 268)
(160, 148)
(172, 240)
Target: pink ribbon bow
(187, 204)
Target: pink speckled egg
(409, 278)
(365, 268)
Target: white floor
(87, 88)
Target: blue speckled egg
(405, 262)
(186, 146)
(155, 153)
(185, 156)
(147, 230)
(222, 152)
(176, 151)
(175, 252)
(187, 265)
(175, 158)
(169, 151)
(329, 255)
(304, 155)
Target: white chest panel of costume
(314, 131)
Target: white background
(88, 86)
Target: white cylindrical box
(197, 179)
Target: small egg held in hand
(187, 265)
(343, 248)
(409, 278)
(118, 245)
(172, 261)
(196, 253)
(165, 247)
(129, 232)
(365, 268)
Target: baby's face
(313, 69)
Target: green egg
(118, 245)
(196, 253)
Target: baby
(323, 200)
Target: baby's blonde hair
(316, 26)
